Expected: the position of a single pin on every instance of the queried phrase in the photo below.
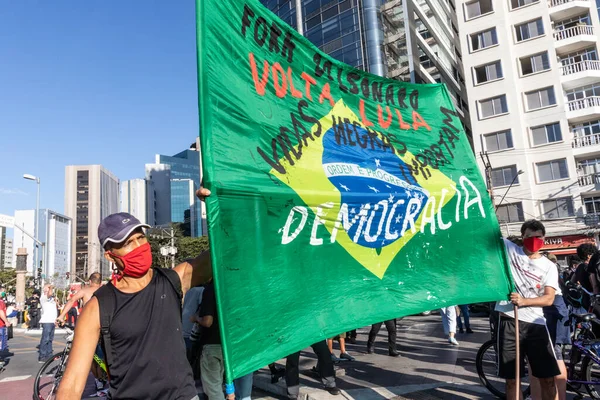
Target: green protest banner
(340, 198)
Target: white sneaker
(452, 341)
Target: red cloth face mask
(533, 244)
(136, 262)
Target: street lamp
(520, 172)
(37, 219)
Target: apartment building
(421, 45)
(533, 81)
(91, 194)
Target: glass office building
(348, 30)
(172, 182)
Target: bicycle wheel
(486, 363)
(591, 371)
(49, 376)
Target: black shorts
(535, 345)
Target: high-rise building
(54, 233)
(410, 40)
(533, 82)
(348, 30)
(132, 198)
(422, 46)
(91, 194)
(171, 185)
(8, 253)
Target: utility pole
(170, 250)
(85, 261)
(173, 249)
(488, 174)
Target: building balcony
(591, 220)
(583, 145)
(582, 109)
(579, 74)
(574, 38)
(589, 180)
(565, 9)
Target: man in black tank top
(148, 351)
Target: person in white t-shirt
(536, 281)
(49, 314)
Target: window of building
(592, 205)
(484, 39)
(534, 63)
(498, 141)
(552, 170)
(504, 176)
(558, 208)
(572, 22)
(540, 98)
(587, 129)
(477, 8)
(583, 92)
(545, 134)
(529, 30)
(493, 106)
(521, 3)
(589, 54)
(488, 72)
(510, 213)
(590, 166)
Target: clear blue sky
(92, 82)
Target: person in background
(464, 314)
(4, 322)
(211, 361)
(343, 353)
(324, 369)
(536, 282)
(582, 274)
(351, 336)
(33, 310)
(556, 315)
(573, 263)
(84, 295)
(72, 309)
(47, 320)
(390, 325)
(191, 304)
(449, 323)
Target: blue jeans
(46, 341)
(3, 339)
(464, 313)
(243, 387)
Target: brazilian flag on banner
(340, 198)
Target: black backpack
(107, 303)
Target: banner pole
(518, 354)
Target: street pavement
(16, 382)
(427, 368)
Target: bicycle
(48, 378)
(582, 356)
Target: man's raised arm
(76, 297)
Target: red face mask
(533, 244)
(136, 262)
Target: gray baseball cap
(117, 227)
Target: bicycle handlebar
(67, 326)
